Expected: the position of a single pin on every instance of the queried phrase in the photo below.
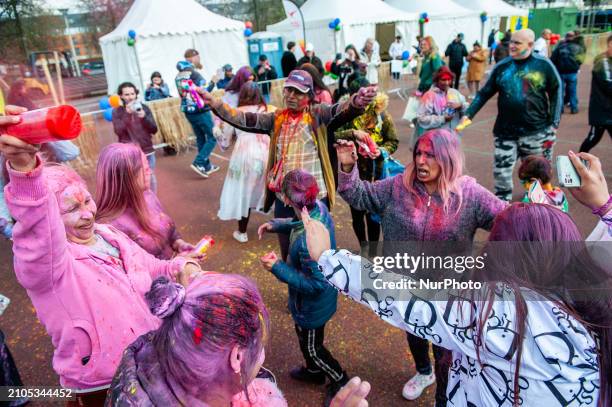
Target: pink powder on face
(78, 209)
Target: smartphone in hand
(4, 303)
(566, 173)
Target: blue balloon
(483, 18)
(108, 114)
(132, 34)
(405, 55)
(104, 103)
(248, 32)
(336, 22)
(331, 25)
(423, 15)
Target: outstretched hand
(20, 155)
(347, 154)
(317, 236)
(593, 191)
(365, 96)
(353, 394)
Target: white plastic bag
(412, 108)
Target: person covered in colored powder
(431, 201)
(312, 301)
(529, 108)
(208, 351)
(299, 138)
(126, 202)
(537, 168)
(86, 280)
(532, 334)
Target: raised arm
(40, 246)
(247, 121)
(483, 94)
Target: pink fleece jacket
(89, 304)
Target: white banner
(293, 14)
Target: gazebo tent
(164, 30)
(446, 20)
(359, 19)
(499, 13)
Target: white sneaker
(415, 386)
(241, 237)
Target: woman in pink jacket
(86, 280)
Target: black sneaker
(333, 388)
(303, 374)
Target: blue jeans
(202, 124)
(152, 161)
(569, 84)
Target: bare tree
(31, 26)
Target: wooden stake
(60, 81)
(49, 80)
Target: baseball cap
(227, 67)
(309, 47)
(300, 80)
(191, 53)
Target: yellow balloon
(114, 100)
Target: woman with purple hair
(126, 202)
(86, 280)
(208, 351)
(431, 201)
(537, 332)
(232, 91)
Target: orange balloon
(114, 100)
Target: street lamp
(64, 12)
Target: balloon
(422, 20)
(338, 28)
(131, 42)
(108, 114)
(423, 15)
(336, 22)
(248, 24)
(405, 55)
(114, 100)
(328, 66)
(483, 18)
(104, 103)
(331, 25)
(426, 19)
(248, 32)
(405, 64)
(132, 34)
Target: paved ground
(363, 344)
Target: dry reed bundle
(89, 145)
(174, 128)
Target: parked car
(93, 68)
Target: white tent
(164, 31)
(497, 11)
(446, 20)
(358, 20)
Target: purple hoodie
(405, 218)
(90, 304)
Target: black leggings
(419, 348)
(457, 72)
(594, 137)
(243, 223)
(360, 219)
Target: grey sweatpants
(507, 151)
